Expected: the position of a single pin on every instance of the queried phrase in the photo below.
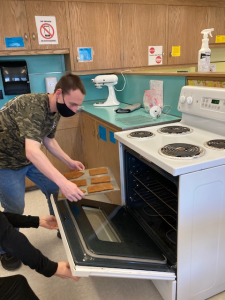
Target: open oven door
(103, 239)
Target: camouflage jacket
(26, 116)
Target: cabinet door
(109, 157)
(90, 142)
(68, 136)
(185, 24)
(142, 26)
(216, 20)
(13, 23)
(96, 25)
(45, 8)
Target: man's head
(70, 93)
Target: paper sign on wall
(102, 133)
(175, 50)
(220, 39)
(154, 55)
(46, 29)
(12, 42)
(85, 54)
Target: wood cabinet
(100, 153)
(47, 8)
(13, 21)
(68, 136)
(142, 26)
(90, 142)
(96, 25)
(17, 19)
(185, 24)
(216, 20)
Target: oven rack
(159, 194)
(159, 187)
(159, 208)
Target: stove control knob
(182, 99)
(189, 100)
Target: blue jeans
(12, 188)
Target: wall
(136, 84)
(41, 66)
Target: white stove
(203, 120)
(171, 226)
(193, 159)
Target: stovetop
(150, 149)
(195, 143)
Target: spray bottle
(204, 53)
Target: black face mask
(64, 110)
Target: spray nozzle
(206, 32)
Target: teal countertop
(136, 119)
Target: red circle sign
(152, 50)
(47, 31)
(158, 59)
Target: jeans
(12, 188)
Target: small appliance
(109, 81)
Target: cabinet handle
(33, 36)
(163, 54)
(25, 36)
(78, 58)
(170, 54)
(93, 132)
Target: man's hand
(76, 165)
(64, 271)
(48, 222)
(71, 191)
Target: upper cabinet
(142, 26)
(47, 8)
(185, 24)
(118, 34)
(95, 25)
(216, 20)
(13, 21)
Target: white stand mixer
(110, 81)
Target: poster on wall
(47, 30)
(154, 55)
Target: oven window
(101, 226)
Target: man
(26, 122)
(16, 287)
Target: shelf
(217, 45)
(33, 52)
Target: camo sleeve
(30, 121)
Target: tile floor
(90, 288)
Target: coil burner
(181, 151)
(175, 130)
(141, 134)
(215, 144)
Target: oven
(170, 228)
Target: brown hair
(70, 82)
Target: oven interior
(152, 198)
